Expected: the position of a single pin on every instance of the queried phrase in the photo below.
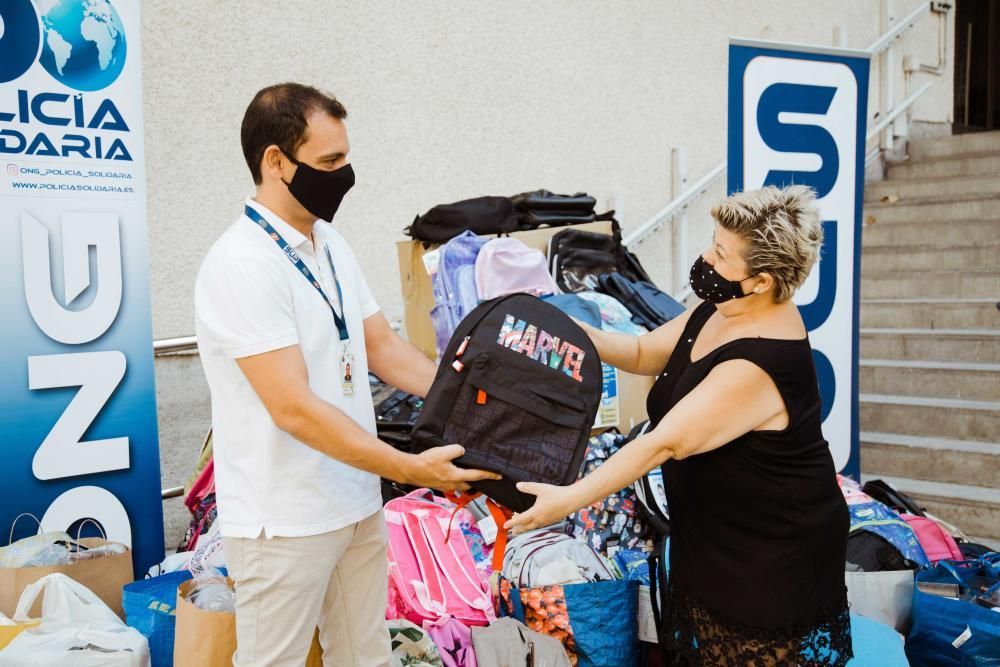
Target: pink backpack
(507, 266)
(937, 543)
(431, 571)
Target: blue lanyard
(294, 258)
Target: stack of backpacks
(472, 269)
(519, 386)
(891, 532)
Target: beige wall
(451, 100)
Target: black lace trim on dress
(695, 637)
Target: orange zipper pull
(481, 397)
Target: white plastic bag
(211, 591)
(886, 597)
(77, 630)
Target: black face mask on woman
(710, 286)
(320, 192)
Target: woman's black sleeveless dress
(758, 526)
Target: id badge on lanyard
(346, 356)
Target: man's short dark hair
(277, 115)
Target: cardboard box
(418, 300)
(632, 390)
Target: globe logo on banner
(19, 38)
(84, 43)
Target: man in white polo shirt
(287, 331)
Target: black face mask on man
(320, 192)
(710, 286)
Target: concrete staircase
(930, 330)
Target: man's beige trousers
(288, 586)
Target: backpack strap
(467, 587)
(500, 515)
(658, 583)
(430, 590)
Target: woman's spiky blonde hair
(782, 229)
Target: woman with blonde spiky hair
(758, 523)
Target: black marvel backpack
(518, 387)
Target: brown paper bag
(105, 576)
(315, 657)
(203, 638)
(208, 638)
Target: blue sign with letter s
(797, 116)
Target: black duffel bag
(544, 200)
(542, 208)
(482, 215)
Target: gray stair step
(876, 283)
(937, 233)
(934, 379)
(931, 258)
(933, 209)
(974, 509)
(930, 417)
(952, 186)
(959, 144)
(972, 345)
(930, 313)
(972, 164)
(934, 459)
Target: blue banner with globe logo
(78, 432)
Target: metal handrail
(166, 346)
(651, 225)
(891, 35)
(890, 117)
(174, 345)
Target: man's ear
(276, 164)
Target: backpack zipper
(484, 315)
(458, 365)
